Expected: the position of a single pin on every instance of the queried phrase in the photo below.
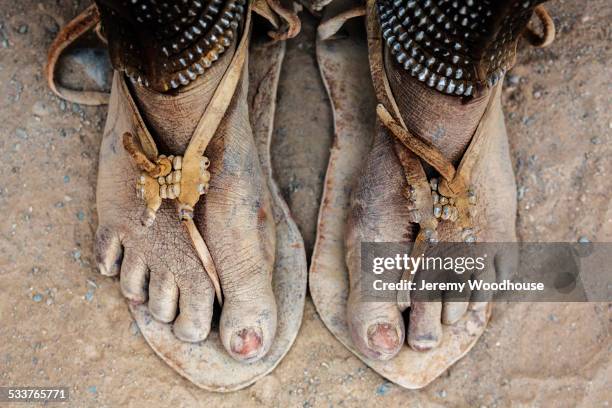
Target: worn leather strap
(328, 28)
(210, 121)
(548, 27)
(78, 26)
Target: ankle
(446, 121)
(172, 117)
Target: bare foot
(380, 211)
(158, 263)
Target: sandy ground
(63, 324)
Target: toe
(506, 262)
(196, 308)
(425, 327)
(377, 329)
(134, 277)
(454, 310)
(163, 295)
(108, 251)
(455, 305)
(248, 322)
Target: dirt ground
(63, 324)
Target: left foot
(442, 103)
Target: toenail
(383, 337)
(247, 342)
(136, 302)
(424, 342)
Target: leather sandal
(185, 179)
(445, 208)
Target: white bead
(177, 163)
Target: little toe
(248, 322)
(108, 251)
(134, 277)
(196, 300)
(425, 327)
(163, 295)
(377, 329)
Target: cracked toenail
(247, 342)
(383, 337)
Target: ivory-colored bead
(434, 184)
(446, 212)
(177, 163)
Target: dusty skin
(235, 221)
(64, 324)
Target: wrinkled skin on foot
(379, 211)
(158, 264)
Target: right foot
(158, 263)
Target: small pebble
(5, 43)
(21, 133)
(37, 297)
(442, 394)
(40, 108)
(583, 240)
(537, 94)
(521, 192)
(383, 388)
(23, 29)
(66, 179)
(134, 329)
(595, 140)
(514, 79)
(89, 295)
(553, 318)
(76, 254)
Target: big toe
(377, 329)
(248, 323)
